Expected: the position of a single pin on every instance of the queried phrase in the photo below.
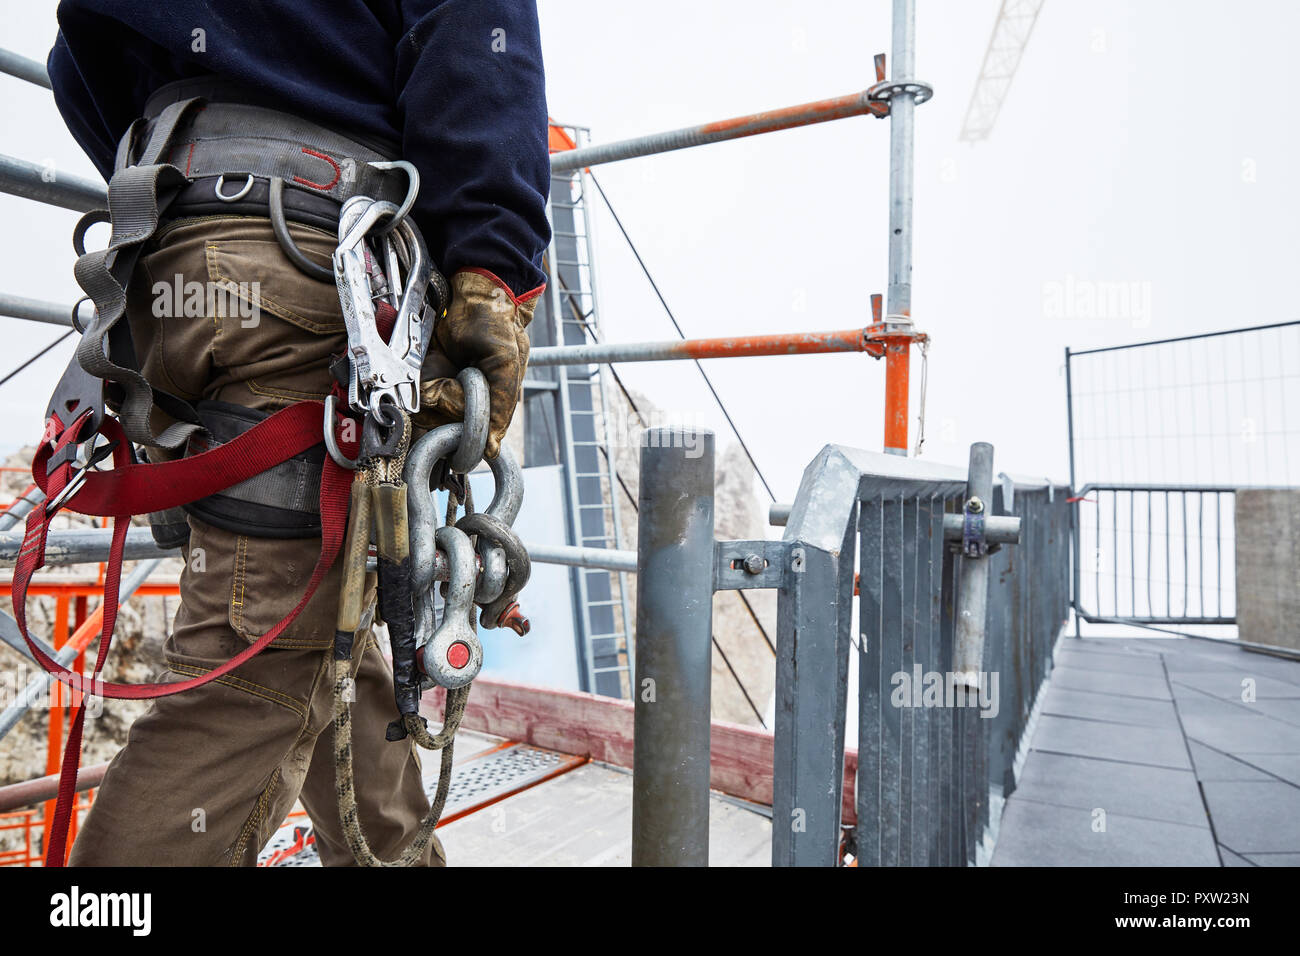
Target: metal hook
(275, 207)
(412, 190)
(331, 445)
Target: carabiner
(412, 191)
(331, 444)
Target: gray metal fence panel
(926, 763)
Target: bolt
(754, 563)
(458, 655)
(513, 618)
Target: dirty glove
(486, 327)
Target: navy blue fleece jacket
(458, 83)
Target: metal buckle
(80, 471)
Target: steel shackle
(453, 656)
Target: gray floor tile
(1039, 834)
(1144, 665)
(1275, 859)
(1229, 683)
(1235, 729)
(1158, 793)
(1239, 661)
(1155, 746)
(1212, 765)
(1129, 685)
(1064, 702)
(1255, 816)
(1286, 709)
(1286, 766)
(1232, 859)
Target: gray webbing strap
(137, 195)
(233, 139)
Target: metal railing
(1155, 554)
(939, 738)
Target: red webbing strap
(133, 489)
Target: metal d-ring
(76, 313)
(412, 190)
(275, 206)
(92, 218)
(331, 444)
(235, 197)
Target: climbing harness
(303, 470)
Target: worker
(237, 94)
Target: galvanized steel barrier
(935, 757)
(1156, 554)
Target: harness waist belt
(239, 140)
(281, 502)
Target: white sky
(1147, 141)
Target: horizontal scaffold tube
(35, 310)
(33, 71)
(769, 121)
(79, 546)
(49, 185)
(734, 346)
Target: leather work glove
(486, 327)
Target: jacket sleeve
(471, 104)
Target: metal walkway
(515, 805)
(1160, 752)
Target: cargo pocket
(269, 578)
(277, 327)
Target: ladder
(602, 620)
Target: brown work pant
(208, 775)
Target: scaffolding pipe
(805, 114)
(607, 559)
(80, 546)
(68, 653)
(35, 310)
(901, 187)
(21, 508)
(32, 71)
(674, 627)
(736, 346)
(973, 574)
(83, 546)
(48, 185)
(998, 529)
(30, 792)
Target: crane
(1011, 30)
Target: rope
(345, 785)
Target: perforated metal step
(481, 779)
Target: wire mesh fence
(1162, 435)
(1215, 409)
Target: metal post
(1074, 512)
(674, 624)
(901, 182)
(973, 579)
